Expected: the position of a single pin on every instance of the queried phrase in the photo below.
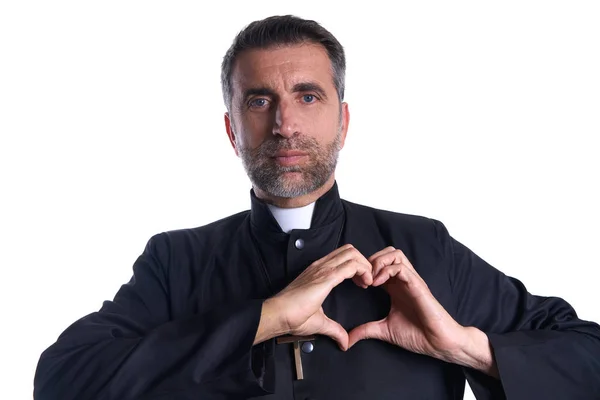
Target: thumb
(370, 330)
(335, 331)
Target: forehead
(282, 67)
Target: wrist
(475, 352)
(271, 322)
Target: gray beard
(267, 175)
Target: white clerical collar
(293, 218)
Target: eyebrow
(298, 87)
(309, 87)
(259, 91)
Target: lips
(289, 157)
(289, 153)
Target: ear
(230, 133)
(345, 122)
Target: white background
(483, 116)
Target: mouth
(289, 157)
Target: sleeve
(131, 349)
(542, 349)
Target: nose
(286, 120)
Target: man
(307, 295)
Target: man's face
(286, 121)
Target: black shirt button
(308, 347)
(299, 243)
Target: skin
(282, 111)
(416, 321)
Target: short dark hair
(281, 31)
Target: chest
(250, 268)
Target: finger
(381, 252)
(415, 286)
(424, 302)
(359, 281)
(335, 331)
(334, 254)
(370, 330)
(426, 305)
(386, 258)
(350, 263)
(390, 271)
(410, 270)
(364, 273)
(323, 264)
(356, 268)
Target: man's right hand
(296, 310)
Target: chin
(291, 184)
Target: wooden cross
(296, 340)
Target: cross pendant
(296, 341)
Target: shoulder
(397, 223)
(204, 236)
(228, 225)
(388, 217)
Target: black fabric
(183, 327)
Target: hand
(417, 321)
(297, 309)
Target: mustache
(272, 146)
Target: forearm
(100, 356)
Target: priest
(306, 295)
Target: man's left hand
(417, 321)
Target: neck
(294, 202)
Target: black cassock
(184, 326)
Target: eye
(309, 98)
(258, 103)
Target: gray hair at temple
(278, 31)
